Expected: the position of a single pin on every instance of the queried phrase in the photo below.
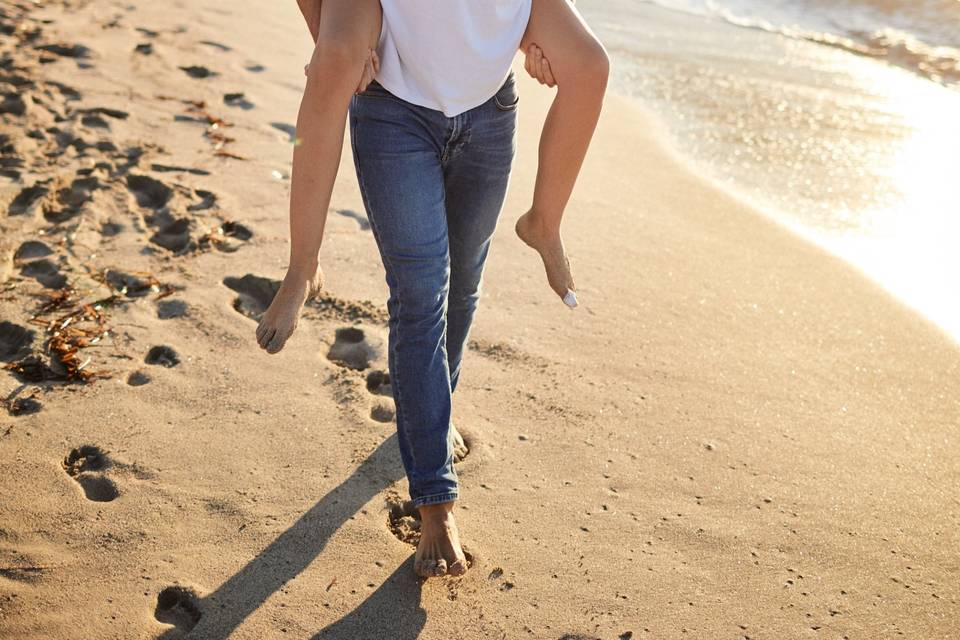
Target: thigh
(401, 181)
(564, 36)
(476, 183)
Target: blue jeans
(433, 187)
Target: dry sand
(736, 436)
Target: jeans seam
(394, 376)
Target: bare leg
(581, 68)
(439, 552)
(347, 30)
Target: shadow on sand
(396, 603)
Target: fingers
(548, 78)
(538, 58)
(538, 66)
(528, 61)
(370, 69)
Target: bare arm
(311, 13)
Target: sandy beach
(736, 436)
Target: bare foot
(439, 552)
(549, 245)
(280, 320)
(460, 449)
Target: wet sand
(736, 435)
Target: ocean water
(920, 35)
(793, 106)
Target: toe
(267, 337)
(427, 568)
(419, 569)
(458, 568)
(440, 569)
(276, 344)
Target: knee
(591, 70)
(336, 57)
(422, 295)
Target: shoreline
(736, 434)
(849, 153)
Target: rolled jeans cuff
(437, 498)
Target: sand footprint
(69, 201)
(198, 72)
(355, 349)
(128, 284)
(149, 192)
(138, 379)
(31, 250)
(86, 465)
(46, 272)
(403, 520)
(255, 294)
(27, 199)
(162, 356)
(175, 236)
(378, 384)
(179, 606)
(15, 341)
(228, 237)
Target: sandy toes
(550, 247)
(281, 318)
(439, 552)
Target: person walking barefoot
(433, 146)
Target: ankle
(542, 224)
(302, 272)
(434, 512)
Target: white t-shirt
(449, 55)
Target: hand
(538, 66)
(371, 67)
(370, 70)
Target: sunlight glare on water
(910, 245)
